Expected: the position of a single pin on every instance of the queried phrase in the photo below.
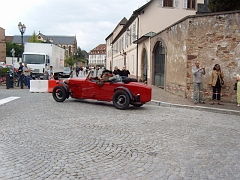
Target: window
(167, 3)
(126, 40)
(189, 4)
(134, 32)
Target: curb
(199, 108)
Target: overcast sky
(90, 20)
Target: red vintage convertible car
(120, 93)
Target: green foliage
(223, 5)
(34, 38)
(3, 71)
(70, 61)
(18, 49)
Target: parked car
(122, 94)
(67, 72)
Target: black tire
(121, 99)
(137, 105)
(59, 94)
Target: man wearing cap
(20, 73)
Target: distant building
(2, 45)
(97, 56)
(67, 42)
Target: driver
(103, 78)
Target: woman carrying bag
(217, 82)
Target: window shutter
(160, 3)
(184, 4)
(176, 3)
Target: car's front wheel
(121, 99)
(59, 94)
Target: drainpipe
(137, 46)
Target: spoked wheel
(121, 99)
(59, 94)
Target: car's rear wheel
(121, 99)
(59, 94)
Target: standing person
(77, 71)
(92, 71)
(97, 68)
(116, 71)
(50, 71)
(197, 82)
(124, 72)
(26, 71)
(87, 68)
(238, 90)
(216, 81)
(80, 71)
(20, 74)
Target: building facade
(124, 45)
(2, 45)
(97, 56)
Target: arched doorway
(144, 65)
(159, 64)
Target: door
(145, 67)
(159, 65)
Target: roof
(8, 38)
(100, 49)
(56, 39)
(132, 18)
(121, 23)
(144, 37)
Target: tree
(70, 61)
(79, 56)
(18, 49)
(223, 5)
(34, 38)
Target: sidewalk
(164, 98)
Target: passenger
(116, 71)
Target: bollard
(21, 80)
(7, 80)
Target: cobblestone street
(43, 139)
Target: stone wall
(215, 39)
(211, 39)
(2, 45)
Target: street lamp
(22, 29)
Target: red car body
(121, 93)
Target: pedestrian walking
(216, 81)
(197, 83)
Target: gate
(159, 65)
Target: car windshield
(66, 69)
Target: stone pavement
(161, 97)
